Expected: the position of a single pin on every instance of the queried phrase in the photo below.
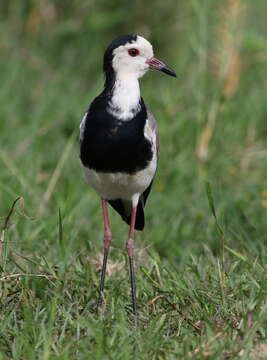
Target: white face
(130, 59)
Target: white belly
(111, 186)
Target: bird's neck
(125, 99)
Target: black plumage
(110, 145)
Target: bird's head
(131, 56)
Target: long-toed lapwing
(120, 143)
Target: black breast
(111, 145)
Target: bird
(119, 143)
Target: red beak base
(156, 64)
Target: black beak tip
(168, 71)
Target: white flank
(82, 125)
(111, 186)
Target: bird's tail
(125, 212)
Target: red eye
(133, 52)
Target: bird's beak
(159, 65)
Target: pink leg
(130, 240)
(107, 242)
(107, 231)
(130, 251)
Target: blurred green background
(212, 122)
(212, 119)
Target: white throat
(124, 103)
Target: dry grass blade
(206, 135)
(15, 276)
(205, 348)
(197, 326)
(226, 66)
(21, 209)
(21, 212)
(227, 59)
(56, 174)
(259, 351)
(7, 218)
(111, 266)
(155, 299)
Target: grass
(201, 261)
